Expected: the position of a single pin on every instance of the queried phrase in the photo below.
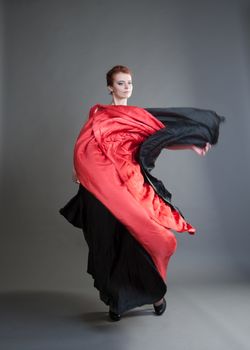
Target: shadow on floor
(48, 319)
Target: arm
(198, 150)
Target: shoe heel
(160, 309)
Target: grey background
(53, 59)
(53, 64)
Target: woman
(126, 219)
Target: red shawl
(105, 164)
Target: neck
(119, 101)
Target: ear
(110, 89)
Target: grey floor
(202, 317)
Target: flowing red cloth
(105, 164)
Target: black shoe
(159, 309)
(114, 316)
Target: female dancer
(125, 220)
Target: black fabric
(206, 118)
(184, 126)
(123, 272)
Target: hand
(202, 151)
(74, 176)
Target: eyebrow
(119, 81)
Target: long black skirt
(123, 272)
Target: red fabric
(105, 164)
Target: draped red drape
(105, 164)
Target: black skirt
(123, 272)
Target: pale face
(122, 86)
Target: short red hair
(113, 71)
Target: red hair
(115, 70)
